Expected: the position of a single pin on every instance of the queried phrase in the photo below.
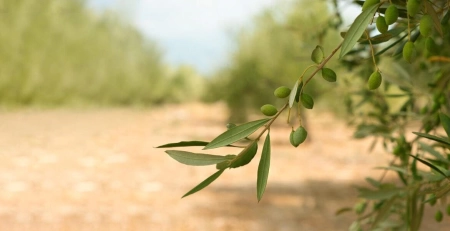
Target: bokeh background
(88, 88)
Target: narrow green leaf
(263, 168)
(184, 144)
(357, 29)
(435, 138)
(433, 152)
(245, 156)
(197, 159)
(435, 168)
(380, 194)
(434, 16)
(236, 133)
(445, 121)
(204, 183)
(293, 94)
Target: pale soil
(98, 170)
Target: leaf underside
(197, 159)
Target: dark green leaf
(307, 101)
(293, 94)
(435, 138)
(197, 159)
(435, 168)
(184, 144)
(357, 29)
(236, 133)
(445, 121)
(245, 156)
(204, 183)
(263, 168)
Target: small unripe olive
(282, 92)
(374, 80)
(391, 15)
(381, 25)
(409, 51)
(369, 3)
(438, 216)
(299, 136)
(317, 55)
(426, 25)
(307, 101)
(291, 139)
(448, 209)
(432, 199)
(413, 7)
(328, 74)
(269, 110)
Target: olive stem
(372, 51)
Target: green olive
(374, 80)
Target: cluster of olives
(391, 14)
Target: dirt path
(98, 170)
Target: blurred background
(88, 88)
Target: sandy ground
(98, 170)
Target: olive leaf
(357, 29)
(263, 168)
(435, 168)
(432, 151)
(435, 138)
(197, 159)
(184, 144)
(193, 143)
(445, 121)
(204, 183)
(293, 94)
(236, 133)
(245, 156)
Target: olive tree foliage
(62, 53)
(268, 54)
(397, 56)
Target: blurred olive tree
(270, 54)
(61, 53)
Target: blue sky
(195, 32)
